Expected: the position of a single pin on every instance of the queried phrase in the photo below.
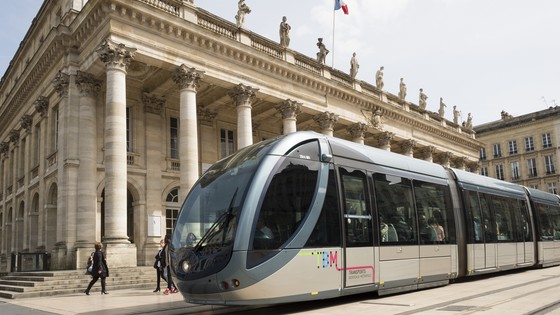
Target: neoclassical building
(111, 110)
(523, 149)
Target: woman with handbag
(171, 288)
(158, 266)
(99, 269)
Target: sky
(483, 56)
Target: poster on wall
(154, 225)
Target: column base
(59, 257)
(120, 255)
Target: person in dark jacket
(159, 266)
(171, 288)
(99, 270)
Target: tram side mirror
(326, 157)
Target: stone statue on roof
(243, 9)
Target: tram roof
(487, 183)
(360, 152)
(543, 196)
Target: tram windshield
(209, 216)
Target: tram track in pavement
(463, 305)
(486, 294)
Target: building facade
(111, 110)
(523, 149)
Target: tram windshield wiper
(221, 225)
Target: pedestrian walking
(171, 288)
(158, 265)
(99, 269)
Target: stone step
(37, 284)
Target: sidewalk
(128, 301)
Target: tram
(307, 217)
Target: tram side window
(488, 219)
(525, 231)
(397, 218)
(505, 218)
(435, 213)
(549, 222)
(474, 216)
(357, 213)
(327, 230)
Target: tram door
(358, 252)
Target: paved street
(526, 292)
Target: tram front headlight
(185, 266)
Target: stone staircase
(17, 285)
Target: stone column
(385, 139)
(41, 105)
(242, 96)
(4, 155)
(59, 254)
(29, 217)
(326, 122)
(408, 147)
(428, 153)
(289, 110)
(154, 109)
(187, 80)
(357, 132)
(116, 57)
(86, 223)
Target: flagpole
(333, 28)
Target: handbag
(156, 264)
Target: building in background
(523, 149)
(111, 110)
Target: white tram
(307, 217)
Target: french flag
(339, 4)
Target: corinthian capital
(42, 105)
(357, 130)
(289, 109)
(26, 122)
(61, 82)
(4, 148)
(326, 120)
(153, 103)
(187, 78)
(87, 84)
(115, 55)
(243, 94)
